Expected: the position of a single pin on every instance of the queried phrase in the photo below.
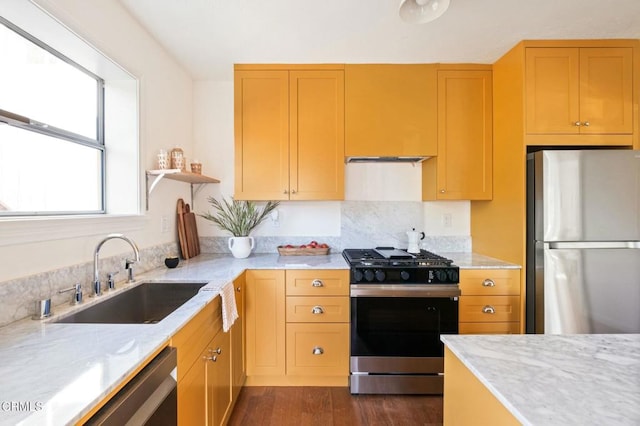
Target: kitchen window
(52, 150)
(78, 176)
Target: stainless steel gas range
(400, 305)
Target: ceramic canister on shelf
(163, 160)
(196, 167)
(177, 159)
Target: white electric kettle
(414, 240)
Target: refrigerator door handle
(593, 245)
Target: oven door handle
(400, 290)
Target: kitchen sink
(147, 303)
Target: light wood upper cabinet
(289, 134)
(262, 135)
(390, 110)
(575, 91)
(463, 168)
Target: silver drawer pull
(317, 283)
(488, 283)
(317, 310)
(488, 310)
(318, 350)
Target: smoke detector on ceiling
(422, 11)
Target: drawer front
(487, 282)
(489, 309)
(318, 349)
(489, 328)
(317, 282)
(317, 309)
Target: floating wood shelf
(177, 174)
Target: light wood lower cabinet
(219, 379)
(297, 327)
(467, 401)
(238, 372)
(490, 302)
(210, 365)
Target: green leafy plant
(238, 217)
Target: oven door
(401, 326)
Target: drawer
(317, 282)
(489, 328)
(318, 349)
(489, 309)
(317, 309)
(192, 339)
(487, 282)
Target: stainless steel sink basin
(147, 303)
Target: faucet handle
(111, 284)
(77, 293)
(128, 265)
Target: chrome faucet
(97, 287)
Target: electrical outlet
(446, 220)
(164, 224)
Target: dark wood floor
(305, 406)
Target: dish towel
(229, 309)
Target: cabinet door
(265, 323)
(261, 135)
(606, 88)
(390, 110)
(318, 349)
(552, 90)
(489, 309)
(218, 379)
(192, 398)
(465, 137)
(316, 142)
(237, 341)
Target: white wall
(166, 112)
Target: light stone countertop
(477, 261)
(53, 374)
(551, 380)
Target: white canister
(241, 246)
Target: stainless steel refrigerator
(583, 241)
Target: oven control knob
(357, 275)
(454, 276)
(441, 275)
(368, 275)
(404, 275)
(380, 275)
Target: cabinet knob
(238, 289)
(212, 358)
(488, 310)
(217, 350)
(293, 191)
(318, 350)
(586, 124)
(577, 124)
(488, 283)
(442, 191)
(317, 310)
(317, 283)
(285, 192)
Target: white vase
(241, 246)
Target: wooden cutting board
(182, 233)
(191, 231)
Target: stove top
(389, 265)
(390, 256)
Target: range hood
(385, 159)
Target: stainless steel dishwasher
(150, 398)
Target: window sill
(14, 231)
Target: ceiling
(208, 36)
